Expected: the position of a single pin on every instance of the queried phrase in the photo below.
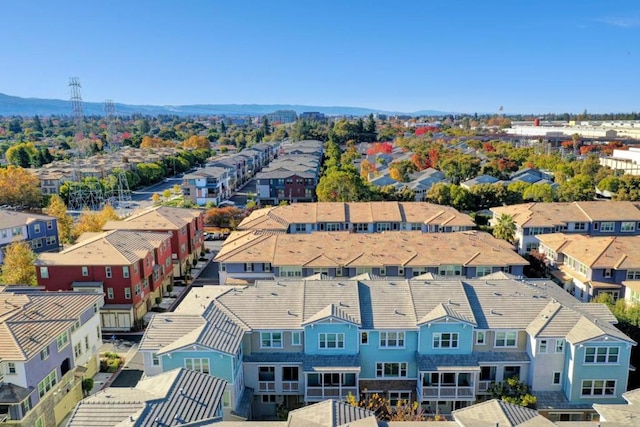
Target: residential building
(49, 342)
(282, 116)
(358, 217)
(131, 269)
(595, 218)
(478, 180)
(587, 266)
(252, 255)
(237, 166)
(207, 185)
(186, 227)
(177, 397)
(40, 231)
(439, 342)
(313, 116)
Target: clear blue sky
(463, 56)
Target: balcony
(290, 386)
(329, 392)
(448, 386)
(266, 386)
(448, 392)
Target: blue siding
(371, 353)
(220, 365)
(465, 338)
(312, 332)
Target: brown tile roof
(280, 217)
(10, 219)
(619, 252)
(42, 317)
(155, 218)
(407, 248)
(552, 214)
(117, 247)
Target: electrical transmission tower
(110, 119)
(118, 195)
(82, 194)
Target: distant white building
(624, 160)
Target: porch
(331, 377)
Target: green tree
(580, 187)
(341, 186)
(18, 268)
(460, 167)
(540, 193)
(514, 391)
(505, 228)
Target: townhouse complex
(358, 217)
(132, 264)
(253, 254)
(286, 343)
(49, 343)
(293, 176)
(39, 231)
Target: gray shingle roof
(330, 413)
(498, 412)
(435, 362)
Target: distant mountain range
(16, 106)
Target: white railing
(447, 392)
(267, 386)
(290, 386)
(484, 385)
(321, 393)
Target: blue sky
(461, 56)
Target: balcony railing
(451, 392)
(483, 386)
(290, 386)
(266, 386)
(322, 393)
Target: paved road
(209, 276)
(241, 196)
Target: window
(86, 342)
(557, 377)
(383, 271)
(301, 228)
(480, 338)
(607, 273)
(266, 373)
(155, 360)
(125, 271)
(290, 271)
(127, 293)
(51, 240)
(598, 387)
(11, 368)
(266, 267)
(77, 349)
(488, 373)
(290, 373)
(47, 383)
(268, 398)
(361, 227)
(400, 271)
(16, 231)
(271, 340)
(383, 226)
(542, 346)
(417, 271)
(396, 397)
(62, 340)
(581, 226)
(226, 399)
(364, 338)
(601, 355)
(44, 272)
(607, 227)
(44, 353)
(49, 225)
(98, 332)
(445, 340)
(391, 370)
(248, 267)
(511, 371)
(107, 272)
(633, 274)
(39, 422)
(85, 271)
(327, 341)
(363, 270)
(628, 227)
(559, 345)
(36, 228)
(450, 270)
(391, 339)
(333, 226)
(536, 230)
(137, 288)
(296, 338)
(483, 271)
(506, 339)
(416, 226)
(197, 364)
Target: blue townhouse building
(40, 231)
(442, 343)
(594, 218)
(48, 342)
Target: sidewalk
(124, 349)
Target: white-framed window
(44, 353)
(135, 268)
(445, 340)
(483, 270)
(266, 267)
(628, 226)
(125, 271)
(296, 338)
(127, 293)
(107, 272)
(559, 345)
(557, 378)
(339, 271)
(391, 339)
(332, 226)
(49, 225)
(77, 349)
(85, 271)
(301, 228)
(450, 270)
(86, 343)
(383, 226)
(248, 267)
(137, 288)
(633, 274)
(51, 240)
(62, 340)
(383, 271)
(580, 226)
(481, 338)
(330, 340)
(360, 227)
(290, 271)
(543, 346)
(598, 388)
(399, 397)
(109, 293)
(36, 228)
(364, 338)
(506, 339)
(40, 422)
(601, 354)
(417, 271)
(197, 364)
(363, 270)
(44, 272)
(391, 370)
(607, 227)
(270, 339)
(47, 383)
(607, 273)
(155, 360)
(11, 368)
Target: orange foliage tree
(197, 141)
(18, 187)
(152, 142)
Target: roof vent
(397, 312)
(273, 294)
(449, 301)
(496, 294)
